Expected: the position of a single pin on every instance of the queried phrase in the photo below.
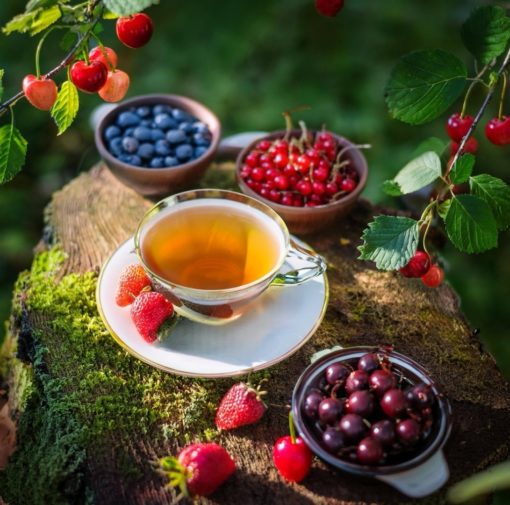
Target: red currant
(282, 182)
(264, 145)
(498, 131)
(313, 156)
(287, 199)
(115, 87)
(106, 55)
(418, 265)
(245, 171)
(293, 460)
(434, 277)
(281, 159)
(331, 189)
(257, 174)
(134, 31)
(348, 185)
(298, 201)
(252, 159)
(264, 191)
(89, 77)
(319, 188)
(320, 173)
(41, 93)
(304, 186)
(303, 163)
(457, 126)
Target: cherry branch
(4, 107)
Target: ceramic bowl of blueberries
(310, 184)
(375, 413)
(158, 144)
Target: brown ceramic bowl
(303, 220)
(160, 181)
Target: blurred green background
(249, 61)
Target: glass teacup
(231, 223)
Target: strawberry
(150, 312)
(199, 469)
(133, 280)
(329, 7)
(241, 405)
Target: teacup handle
(317, 266)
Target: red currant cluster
(98, 72)
(302, 172)
(420, 266)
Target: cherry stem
(103, 51)
(426, 232)
(502, 97)
(292, 429)
(348, 148)
(38, 50)
(304, 133)
(476, 80)
(288, 124)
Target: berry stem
(476, 80)
(292, 428)
(348, 148)
(288, 124)
(502, 97)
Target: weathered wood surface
(88, 219)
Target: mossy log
(91, 419)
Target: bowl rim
(361, 168)
(445, 423)
(177, 101)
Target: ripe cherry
(418, 265)
(368, 362)
(89, 77)
(336, 373)
(457, 126)
(134, 31)
(356, 381)
(41, 93)
(381, 381)
(408, 431)
(116, 86)
(330, 410)
(304, 187)
(106, 55)
(353, 427)
(393, 402)
(282, 182)
(384, 431)
(498, 131)
(361, 403)
(470, 147)
(434, 277)
(369, 451)
(293, 460)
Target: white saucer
(273, 328)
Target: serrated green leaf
(462, 169)
(20, 23)
(390, 241)
(66, 107)
(34, 21)
(431, 144)
(496, 193)
(470, 224)
(44, 19)
(1, 83)
(419, 173)
(486, 33)
(391, 188)
(424, 84)
(127, 7)
(13, 148)
(443, 208)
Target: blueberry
(128, 132)
(162, 147)
(143, 111)
(201, 139)
(199, 127)
(111, 132)
(180, 116)
(184, 152)
(146, 151)
(186, 127)
(164, 121)
(115, 146)
(146, 122)
(156, 163)
(157, 135)
(199, 151)
(175, 136)
(125, 158)
(126, 119)
(161, 109)
(142, 133)
(135, 160)
(171, 161)
(129, 144)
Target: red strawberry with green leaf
(133, 280)
(199, 469)
(152, 314)
(241, 405)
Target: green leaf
(470, 224)
(391, 188)
(431, 144)
(127, 7)
(419, 173)
(44, 19)
(443, 208)
(495, 478)
(13, 148)
(390, 241)
(496, 193)
(34, 21)
(462, 169)
(1, 84)
(66, 107)
(424, 84)
(35, 4)
(20, 23)
(486, 33)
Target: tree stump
(91, 419)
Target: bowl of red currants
(158, 144)
(375, 413)
(309, 178)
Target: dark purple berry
(368, 363)
(370, 451)
(393, 403)
(312, 402)
(356, 381)
(333, 440)
(384, 431)
(408, 431)
(382, 380)
(336, 373)
(353, 427)
(361, 403)
(420, 396)
(330, 410)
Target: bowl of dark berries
(311, 178)
(158, 144)
(375, 413)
